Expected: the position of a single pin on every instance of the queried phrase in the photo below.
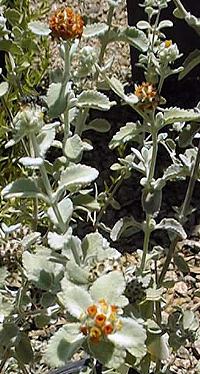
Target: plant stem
(183, 212)
(180, 6)
(112, 193)
(47, 184)
(146, 242)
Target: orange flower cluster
(65, 24)
(147, 95)
(100, 320)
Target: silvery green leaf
(11, 228)
(125, 227)
(39, 28)
(131, 336)
(74, 147)
(143, 25)
(108, 354)
(181, 264)
(154, 294)
(190, 320)
(98, 124)
(6, 309)
(23, 348)
(93, 99)
(4, 86)
(95, 246)
(77, 176)
(63, 344)
(110, 287)
(114, 3)
(65, 208)
(125, 134)
(76, 274)
(30, 239)
(44, 273)
(95, 30)
(57, 241)
(165, 23)
(179, 13)
(86, 202)
(45, 139)
(170, 224)
(75, 299)
(31, 162)
(3, 274)
(192, 60)
(134, 37)
(56, 99)
(159, 347)
(116, 86)
(171, 115)
(23, 187)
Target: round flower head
(147, 95)
(66, 24)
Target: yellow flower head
(168, 43)
(66, 24)
(100, 320)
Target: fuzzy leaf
(93, 99)
(125, 134)
(75, 299)
(173, 115)
(45, 139)
(45, 274)
(77, 176)
(125, 227)
(134, 37)
(181, 264)
(192, 60)
(57, 241)
(56, 99)
(159, 348)
(95, 30)
(170, 224)
(31, 162)
(63, 344)
(108, 354)
(39, 28)
(23, 349)
(23, 187)
(74, 147)
(110, 287)
(3, 88)
(131, 336)
(76, 274)
(98, 124)
(95, 246)
(65, 208)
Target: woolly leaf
(23, 187)
(23, 349)
(76, 274)
(95, 30)
(131, 336)
(125, 134)
(3, 88)
(159, 348)
(75, 299)
(31, 162)
(63, 344)
(172, 115)
(74, 147)
(110, 287)
(108, 354)
(3, 275)
(56, 99)
(57, 241)
(39, 28)
(170, 224)
(65, 208)
(134, 37)
(77, 176)
(125, 227)
(95, 246)
(46, 138)
(192, 60)
(99, 125)
(93, 99)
